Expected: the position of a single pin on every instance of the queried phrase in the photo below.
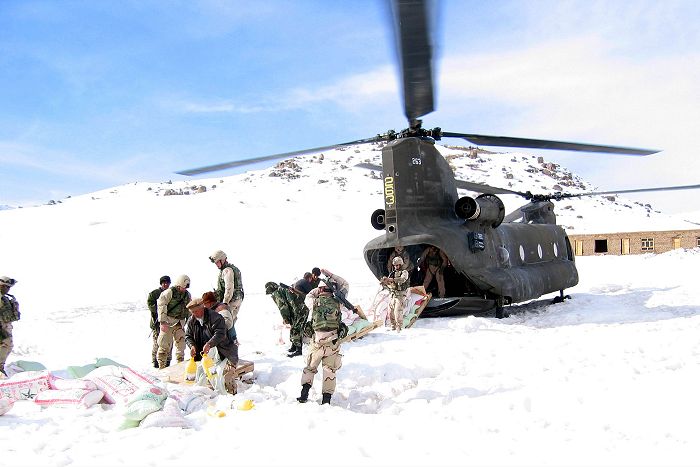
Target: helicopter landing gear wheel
(560, 298)
(500, 313)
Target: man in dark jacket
(152, 303)
(206, 329)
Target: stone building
(634, 243)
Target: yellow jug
(246, 405)
(207, 363)
(190, 370)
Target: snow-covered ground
(607, 378)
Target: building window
(647, 244)
(697, 242)
(601, 246)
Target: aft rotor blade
(471, 186)
(637, 190)
(487, 189)
(415, 53)
(506, 141)
(284, 155)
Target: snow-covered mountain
(583, 382)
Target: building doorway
(625, 247)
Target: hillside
(568, 384)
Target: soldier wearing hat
(152, 302)
(325, 343)
(229, 289)
(397, 283)
(9, 313)
(172, 313)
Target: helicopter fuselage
(492, 260)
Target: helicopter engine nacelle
(378, 219)
(485, 208)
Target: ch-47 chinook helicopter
(496, 259)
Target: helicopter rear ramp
(454, 306)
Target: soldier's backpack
(326, 314)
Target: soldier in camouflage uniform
(397, 284)
(172, 313)
(152, 303)
(293, 310)
(229, 288)
(325, 344)
(9, 313)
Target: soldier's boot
(167, 363)
(292, 348)
(155, 363)
(305, 388)
(295, 352)
(326, 398)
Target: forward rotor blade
(415, 53)
(284, 155)
(637, 190)
(506, 141)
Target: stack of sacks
(171, 416)
(5, 404)
(192, 399)
(79, 371)
(22, 365)
(142, 403)
(413, 303)
(25, 385)
(118, 383)
(69, 392)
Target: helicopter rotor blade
(415, 53)
(487, 189)
(507, 141)
(470, 186)
(284, 155)
(612, 192)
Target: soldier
(229, 288)
(325, 344)
(172, 313)
(9, 312)
(341, 284)
(397, 283)
(434, 261)
(400, 251)
(206, 329)
(293, 310)
(152, 302)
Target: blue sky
(97, 94)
